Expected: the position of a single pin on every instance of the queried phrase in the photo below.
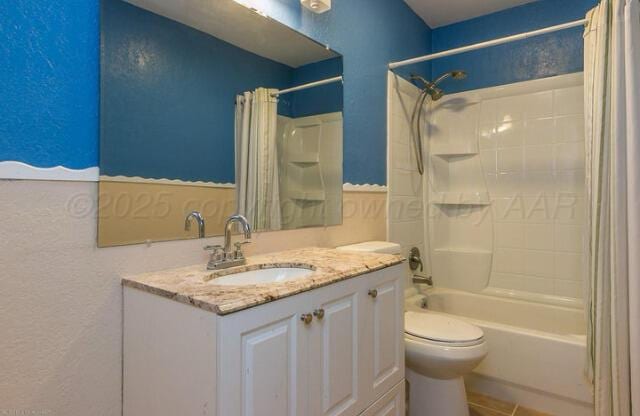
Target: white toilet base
(434, 397)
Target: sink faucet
(229, 226)
(199, 219)
(225, 257)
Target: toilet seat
(441, 330)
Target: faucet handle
(238, 252)
(216, 252)
(214, 248)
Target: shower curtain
(612, 119)
(257, 179)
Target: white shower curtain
(612, 117)
(257, 179)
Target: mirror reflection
(213, 108)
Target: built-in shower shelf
(305, 158)
(460, 198)
(298, 195)
(453, 149)
(446, 155)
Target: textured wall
(539, 57)
(49, 114)
(370, 34)
(61, 312)
(167, 94)
(49, 76)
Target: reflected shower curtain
(257, 179)
(612, 117)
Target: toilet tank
(374, 247)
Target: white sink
(262, 276)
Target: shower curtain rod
(487, 44)
(309, 85)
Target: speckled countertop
(195, 285)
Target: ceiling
(438, 13)
(242, 27)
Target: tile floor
(480, 405)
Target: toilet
(439, 352)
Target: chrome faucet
(225, 257)
(199, 219)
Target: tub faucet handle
(415, 260)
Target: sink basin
(262, 276)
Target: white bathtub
(536, 351)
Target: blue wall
(167, 94)
(166, 101)
(49, 82)
(49, 73)
(49, 68)
(318, 100)
(539, 57)
(369, 34)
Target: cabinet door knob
(373, 293)
(306, 318)
(319, 313)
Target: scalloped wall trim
(18, 170)
(349, 187)
(164, 181)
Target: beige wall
(134, 212)
(61, 312)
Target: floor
(480, 405)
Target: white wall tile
(569, 266)
(538, 104)
(509, 109)
(568, 238)
(540, 131)
(510, 159)
(509, 235)
(539, 236)
(509, 260)
(486, 135)
(569, 129)
(510, 134)
(569, 156)
(568, 101)
(404, 183)
(538, 158)
(539, 263)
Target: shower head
(432, 88)
(457, 75)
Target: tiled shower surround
(532, 148)
(405, 210)
(505, 191)
(530, 141)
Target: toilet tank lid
(374, 247)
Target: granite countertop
(195, 285)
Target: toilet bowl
(439, 352)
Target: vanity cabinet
(336, 350)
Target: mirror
(212, 107)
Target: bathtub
(536, 351)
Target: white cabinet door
(263, 360)
(335, 385)
(383, 311)
(391, 404)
